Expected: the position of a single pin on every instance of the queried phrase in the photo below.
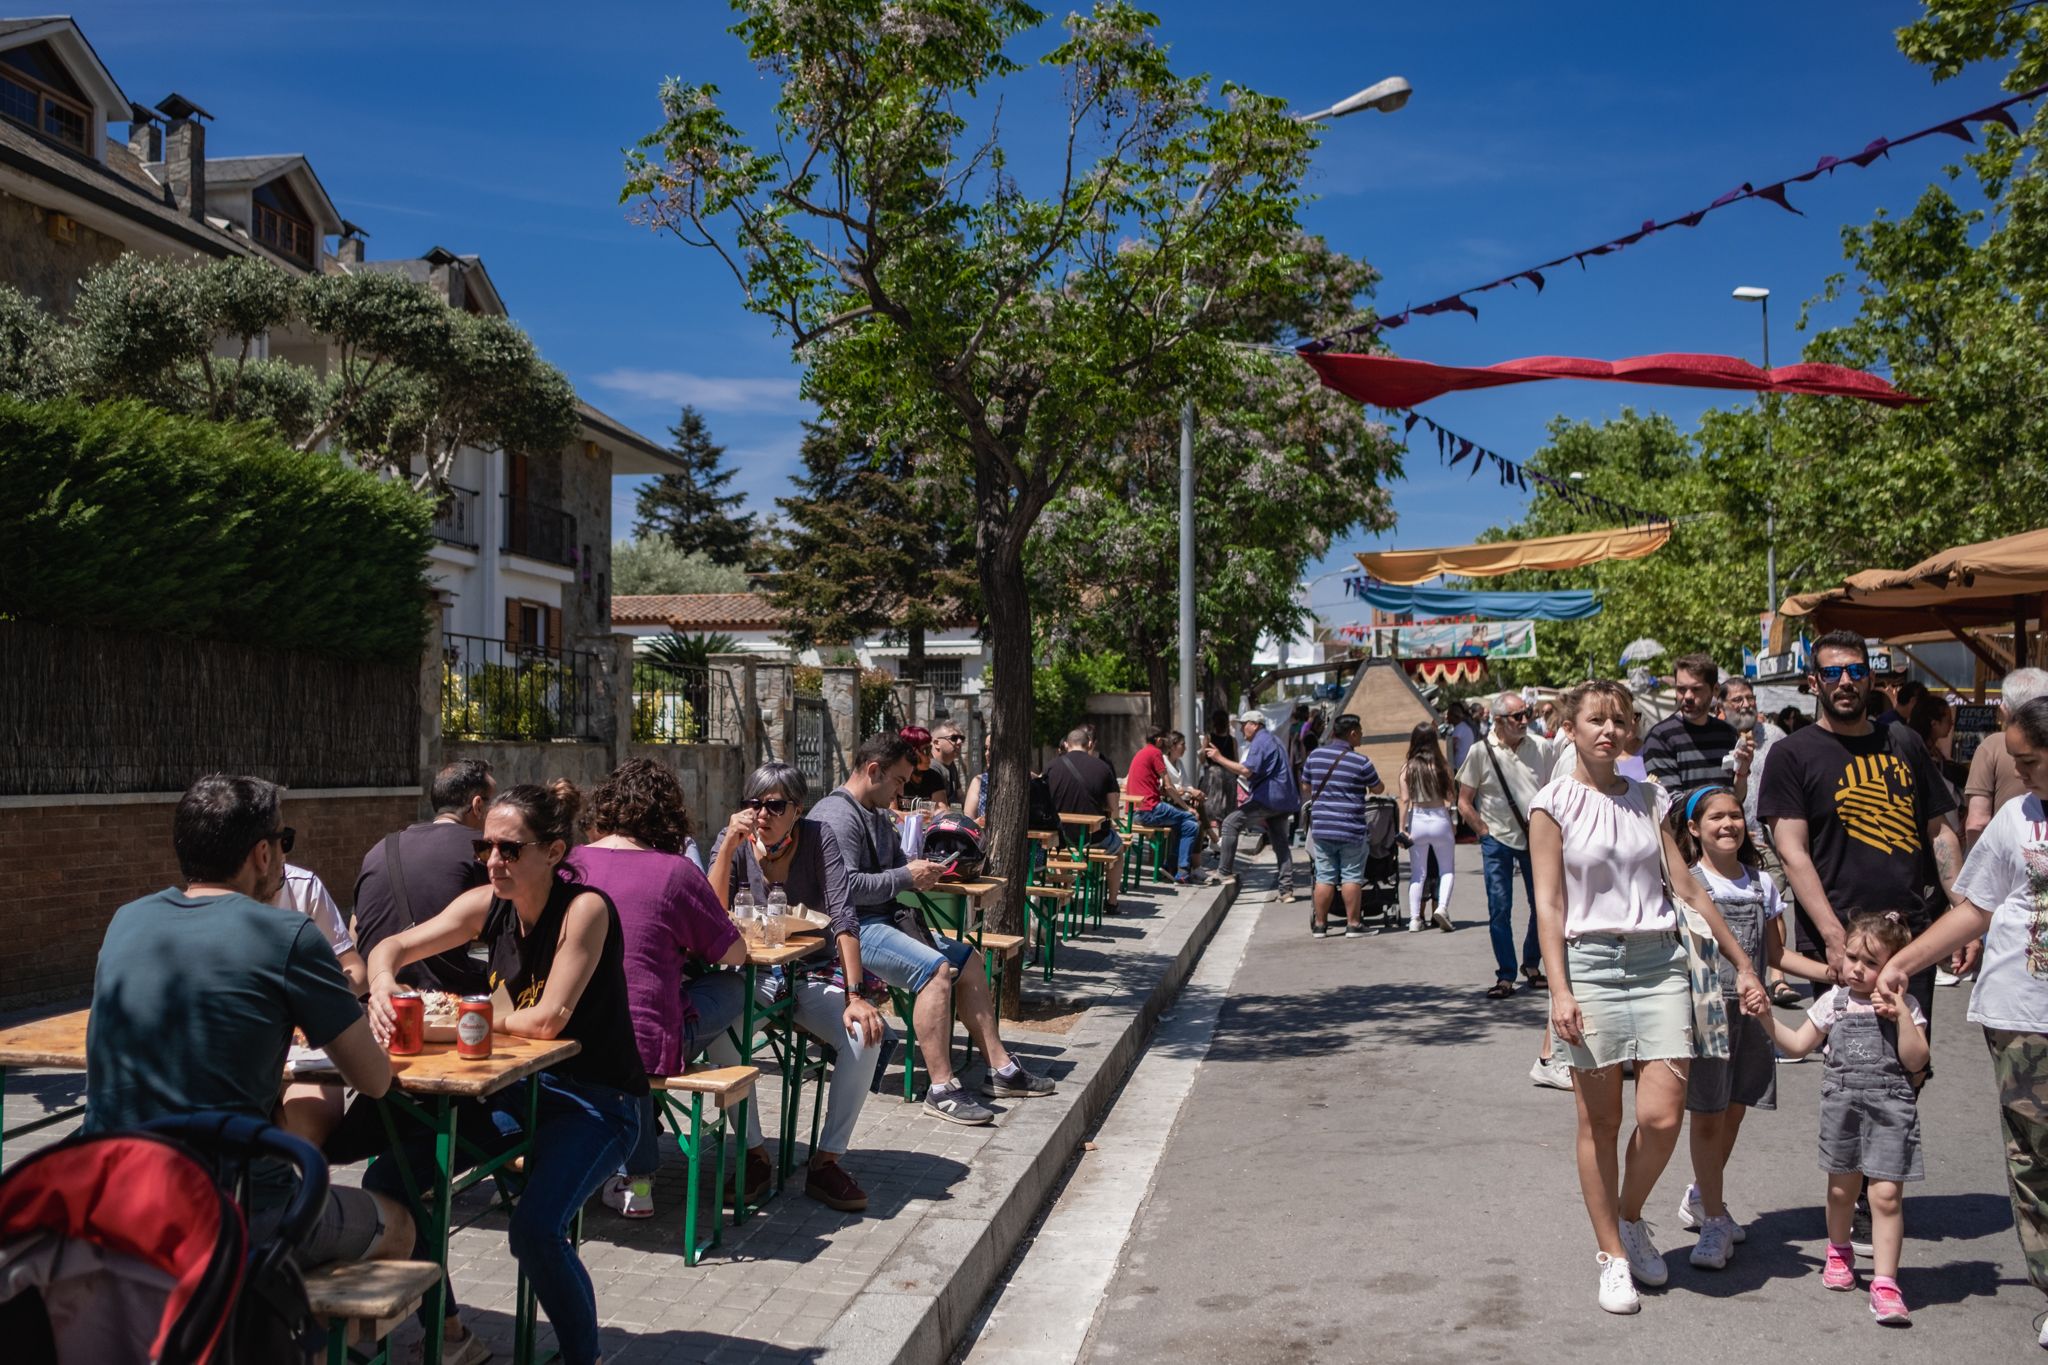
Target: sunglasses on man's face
(772, 805)
(1515, 717)
(1832, 673)
(284, 839)
(508, 849)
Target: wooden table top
(436, 1070)
(789, 950)
(1085, 821)
(974, 890)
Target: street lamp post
(1751, 293)
(1386, 96)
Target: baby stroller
(124, 1247)
(1380, 896)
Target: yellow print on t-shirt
(528, 997)
(1874, 802)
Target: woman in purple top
(668, 917)
(767, 845)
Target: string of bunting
(1455, 450)
(1775, 192)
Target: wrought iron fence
(538, 530)
(671, 704)
(494, 690)
(813, 725)
(456, 520)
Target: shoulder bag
(1507, 792)
(1308, 807)
(1702, 961)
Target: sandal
(1537, 981)
(1500, 990)
(1785, 997)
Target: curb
(920, 1303)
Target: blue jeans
(1165, 816)
(906, 963)
(1498, 863)
(584, 1134)
(718, 997)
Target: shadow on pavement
(1375, 1015)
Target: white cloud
(705, 392)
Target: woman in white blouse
(1618, 972)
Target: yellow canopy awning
(1996, 583)
(1408, 567)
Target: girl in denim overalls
(1869, 1113)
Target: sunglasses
(508, 849)
(773, 805)
(284, 839)
(1835, 672)
(1515, 717)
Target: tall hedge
(124, 515)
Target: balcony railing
(494, 690)
(670, 705)
(455, 518)
(538, 531)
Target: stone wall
(41, 266)
(582, 487)
(66, 864)
(711, 774)
(515, 762)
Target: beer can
(473, 1028)
(409, 1023)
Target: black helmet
(953, 838)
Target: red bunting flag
(1390, 382)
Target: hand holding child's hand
(1890, 1004)
(1755, 1003)
(1891, 982)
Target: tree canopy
(649, 564)
(690, 508)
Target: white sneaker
(1551, 1071)
(1944, 977)
(1717, 1240)
(1692, 1215)
(629, 1198)
(1617, 1286)
(1643, 1261)
(1415, 925)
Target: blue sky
(498, 129)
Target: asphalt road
(1363, 1171)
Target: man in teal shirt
(196, 995)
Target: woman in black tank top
(556, 949)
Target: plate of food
(441, 1009)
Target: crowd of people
(598, 920)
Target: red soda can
(473, 1028)
(409, 1023)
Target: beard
(1851, 709)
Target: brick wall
(65, 869)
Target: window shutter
(511, 620)
(554, 629)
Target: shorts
(1634, 996)
(346, 1229)
(1871, 1130)
(1748, 1076)
(904, 962)
(1108, 840)
(1338, 864)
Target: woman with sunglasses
(638, 855)
(556, 951)
(767, 846)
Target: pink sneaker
(1840, 1271)
(1887, 1305)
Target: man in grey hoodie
(941, 977)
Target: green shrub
(122, 515)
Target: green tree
(649, 564)
(690, 507)
(942, 306)
(38, 357)
(873, 545)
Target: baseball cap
(1252, 718)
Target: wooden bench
(1049, 906)
(680, 1100)
(364, 1301)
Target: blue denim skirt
(1634, 998)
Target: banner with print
(1467, 640)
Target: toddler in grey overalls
(1869, 1113)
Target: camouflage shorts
(2020, 1063)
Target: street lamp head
(1577, 476)
(1385, 96)
(1752, 293)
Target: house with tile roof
(955, 659)
(522, 548)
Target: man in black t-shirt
(1855, 809)
(439, 861)
(1691, 747)
(1082, 784)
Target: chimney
(349, 250)
(185, 155)
(145, 139)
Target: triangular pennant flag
(1870, 153)
(1776, 194)
(1731, 196)
(1535, 277)
(1413, 418)
(1999, 114)
(1956, 129)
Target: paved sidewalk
(799, 1282)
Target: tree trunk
(1159, 671)
(913, 662)
(1000, 562)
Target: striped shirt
(1686, 757)
(1345, 778)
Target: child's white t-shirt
(1719, 886)
(1825, 1011)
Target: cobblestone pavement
(775, 1285)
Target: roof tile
(695, 611)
